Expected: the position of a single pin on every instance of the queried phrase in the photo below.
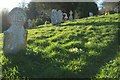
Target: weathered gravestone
(76, 15)
(65, 16)
(60, 16)
(54, 15)
(29, 23)
(15, 37)
(90, 14)
(70, 17)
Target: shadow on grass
(33, 65)
(94, 63)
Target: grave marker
(70, 17)
(29, 23)
(15, 37)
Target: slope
(84, 48)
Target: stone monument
(54, 15)
(76, 15)
(29, 23)
(66, 17)
(60, 16)
(71, 17)
(16, 36)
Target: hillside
(84, 48)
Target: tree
(5, 21)
(39, 9)
(85, 7)
(35, 8)
(22, 4)
(31, 10)
(111, 6)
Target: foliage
(85, 7)
(37, 22)
(84, 48)
(35, 9)
(5, 21)
(31, 11)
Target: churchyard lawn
(84, 48)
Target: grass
(84, 48)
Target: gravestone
(66, 17)
(29, 23)
(90, 14)
(76, 15)
(70, 17)
(16, 36)
(54, 17)
(60, 16)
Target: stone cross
(16, 36)
(70, 17)
(90, 14)
(60, 16)
(29, 23)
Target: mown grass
(84, 48)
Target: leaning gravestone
(70, 17)
(60, 16)
(15, 37)
(54, 15)
(29, 23)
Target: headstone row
(57, 16)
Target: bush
(111, 12)
(37, 22)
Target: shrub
(37, 22)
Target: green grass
(84, 48)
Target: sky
(10, 4)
